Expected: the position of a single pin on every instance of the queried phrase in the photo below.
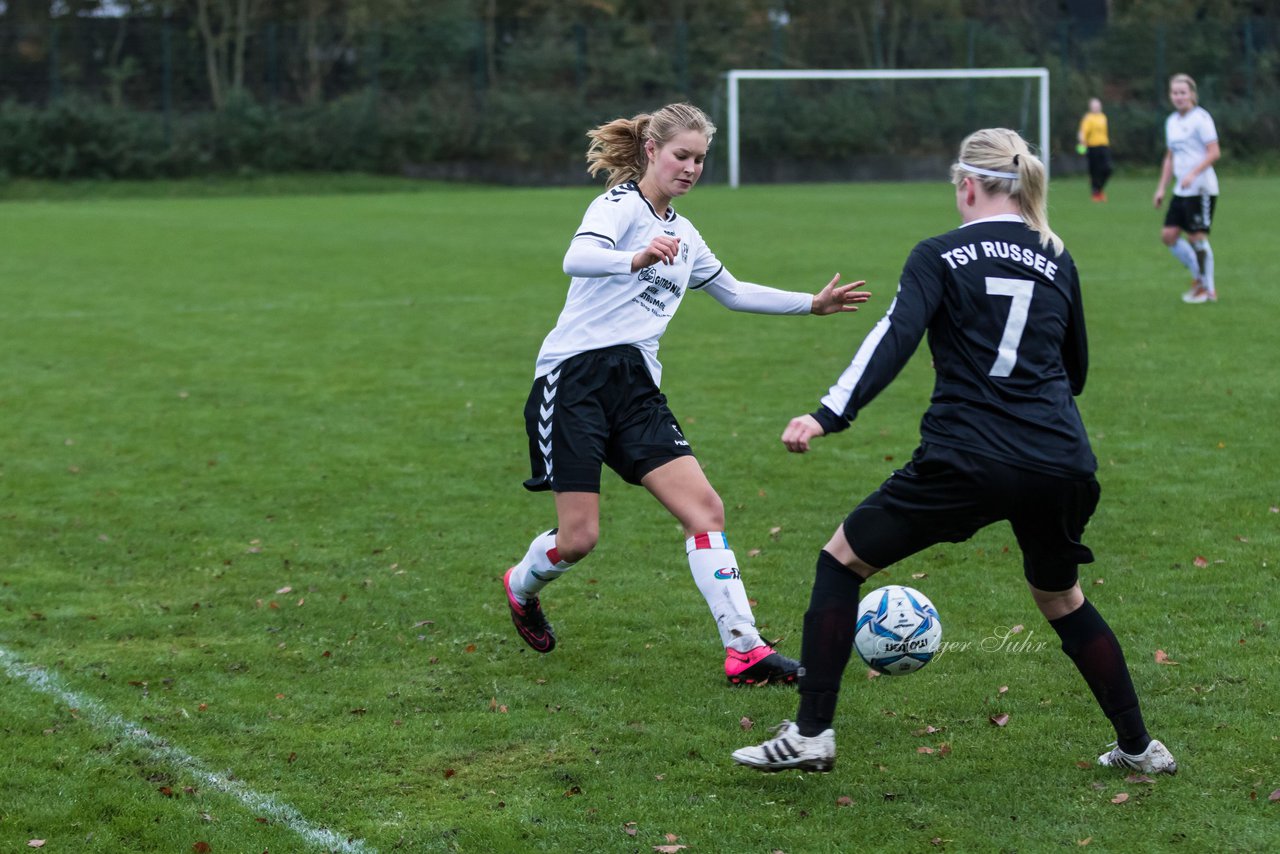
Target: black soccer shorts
(598, 407)
(1191, 213)
(944, 495)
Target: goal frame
(735, 76)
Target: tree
(224, 27)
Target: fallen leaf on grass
(35, 843)
(630, 828)
(746, 723)
(1162, 657)
(669, 849)
(924, 750)
(284, 590)
(844, 801)
(201, 848)
(1274, 796)
(872, 674)
(1085, 841)
(1018, 629)
(1000, 719)
(1120, 798)
(1138, 778)
(1200, 562)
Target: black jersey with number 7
(1006, 331)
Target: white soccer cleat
(1156, 759)
(1199, 295)
(789, 749)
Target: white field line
(47, 682)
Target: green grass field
(260, 462)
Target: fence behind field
(434, 88)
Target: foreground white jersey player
(596, 399)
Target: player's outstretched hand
(798, 433)
(661, 248)
(835, 297)
(1157, 198)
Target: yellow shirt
(1093, 130)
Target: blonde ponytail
(617, 147)
(1002, 163)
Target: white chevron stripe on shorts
(545, 411)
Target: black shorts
(1191, 213)
(944, 495)
(598, 407)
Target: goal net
(810, 124)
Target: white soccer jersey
(1188, 137)
(610, 305)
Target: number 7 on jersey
(1021, 291)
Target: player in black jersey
(999, 299)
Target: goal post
(735, 76)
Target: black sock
(1090, 643)
(828, 642)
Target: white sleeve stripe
(612, 242)
(837, 398)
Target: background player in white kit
(1192, 141)
(1002, 439)
(596, 398)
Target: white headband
(988, 172)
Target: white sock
(540, 566)
(1206, 274)
(1186, 256)
(715, 571)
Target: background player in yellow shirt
(1094, 143)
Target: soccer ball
(898, 630)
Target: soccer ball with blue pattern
(898, 630)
